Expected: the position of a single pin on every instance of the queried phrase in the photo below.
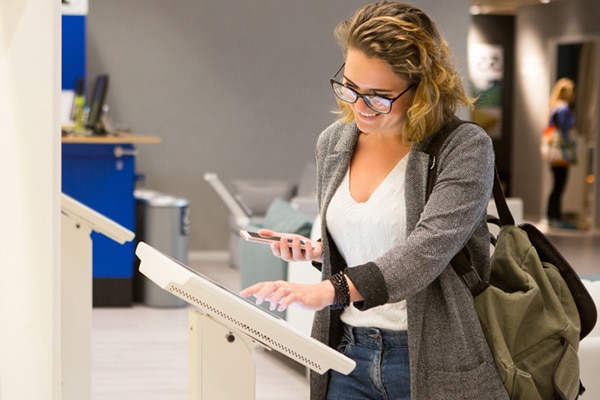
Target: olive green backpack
(534, 310)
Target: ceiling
(502, 6)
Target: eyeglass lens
(376, 103)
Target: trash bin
(163, 223)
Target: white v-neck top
(365, 231)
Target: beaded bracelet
(341, 298)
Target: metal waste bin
(163, 223)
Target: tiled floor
(141, 352)
(581, 249)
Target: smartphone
(255, 237)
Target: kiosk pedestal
(220, 361)
(78, 222)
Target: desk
(99, 171)
(111, 139)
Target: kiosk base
(221, 365)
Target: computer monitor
(96, 106)
(239, 314)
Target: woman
(389, 299)
(561, 115)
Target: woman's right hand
(311, 251)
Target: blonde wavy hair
(563, 91)
(408, 41)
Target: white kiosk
(224, 329)
(78, 222)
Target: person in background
(389, 298)
(563, 117)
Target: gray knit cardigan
(449, 356)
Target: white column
(30, 74)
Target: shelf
(111, 139)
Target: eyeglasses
(379, 104)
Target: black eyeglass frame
(366, 97)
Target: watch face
(74, 7)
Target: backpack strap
(434, 147)
(461, 262)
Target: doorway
(577, 60)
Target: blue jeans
(382, 369)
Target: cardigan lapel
(337, 162)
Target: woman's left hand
(282, 294)
(308, 251)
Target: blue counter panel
(92, 175)
(73, 50)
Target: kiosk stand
(220, 361)
(224, 329)
(78, 222)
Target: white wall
(29, 204)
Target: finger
(260, 291)
(298, 253)
(267, 233)
(265, 292)
(282, 298)
(276, 297)
(287, 301)
(275, 249)
(250, 290)
(309, 251)
(285, 251)
(313, 250)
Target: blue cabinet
(102, 176)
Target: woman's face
(372, 76)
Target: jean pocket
(344, 344)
